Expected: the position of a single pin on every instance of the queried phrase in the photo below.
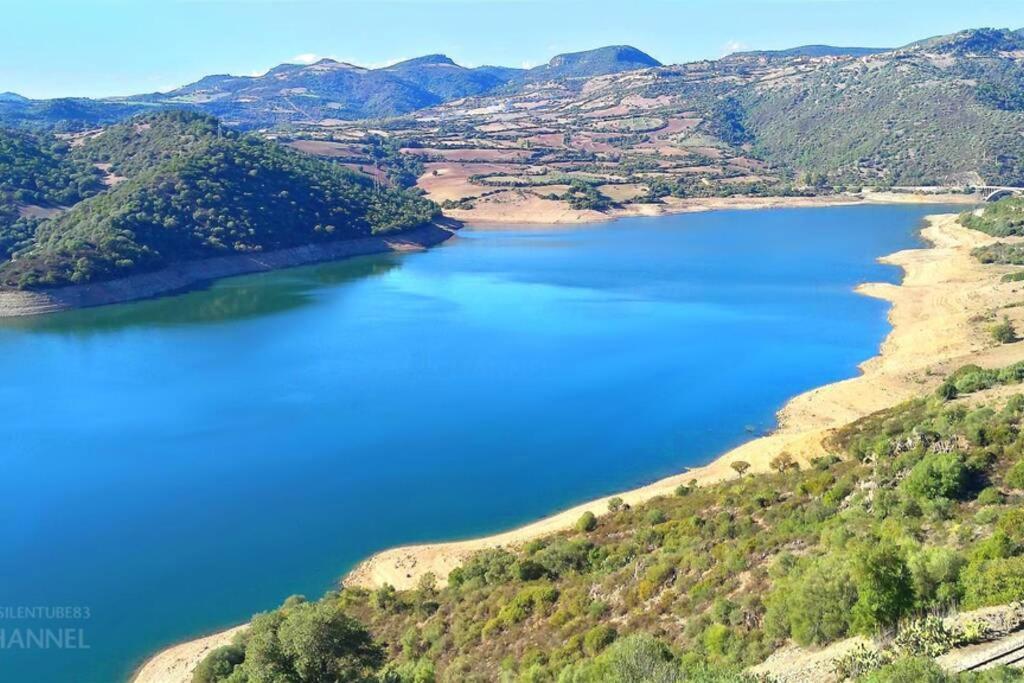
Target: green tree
(740, 466)
(310, 643)
(938, 475)
(885, 590)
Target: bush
(908, 670)
(813, 604)
(598, 638)
(1004, 332)
(926, 637)
(858, 662)
(884, 589)
(1015, 476)
(938, 475)
(587, 522)
(219, 664)
(634, 659)
(935, 576)
(993, 496)
(993, 582)
(530, 570)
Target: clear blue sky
(52, 48)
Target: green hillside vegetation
(1004, 218)
(913, 511)
(905, 121)
(1001, 253)
(196, 190)
(37, 170)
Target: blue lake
(178, 464)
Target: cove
(172, 466)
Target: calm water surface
(175, 465)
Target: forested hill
(176, 186)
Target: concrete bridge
(997, 193)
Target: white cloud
(305, 58)
(734, 46)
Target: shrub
(587, 522)
(993, 496)
(598, 638)
(993, 582)
(636, 658)
(908, 670)
(858, 662)
(935, 576)
(1004, 332)
(219, 664)
(656, 516)
(530, 570)
(813, 604)
(884, 588)
(1015, 476)
(615, 504)
(938, 475)
(716, 639)
(784, 462)
(926, 637)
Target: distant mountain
(812, 51)
(590, 63)
(65, 113)
(329, 89)
(291, 94)
(446, 80)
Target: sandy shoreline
(523, 208)
(191, 274)
(943, 288)
(935, 329)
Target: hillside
(182, 188)
(910, 512)
(590, 63)
(942, 111)
(810, 51)
(945, 112)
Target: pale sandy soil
(36, 211)
(939, 315)
(523, 207)
(175, 664)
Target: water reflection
(232, 299)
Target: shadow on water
(231, 299)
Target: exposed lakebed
(174, 465)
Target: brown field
(452, 180)
(547, 140)
(622, 193)
(472, 154)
